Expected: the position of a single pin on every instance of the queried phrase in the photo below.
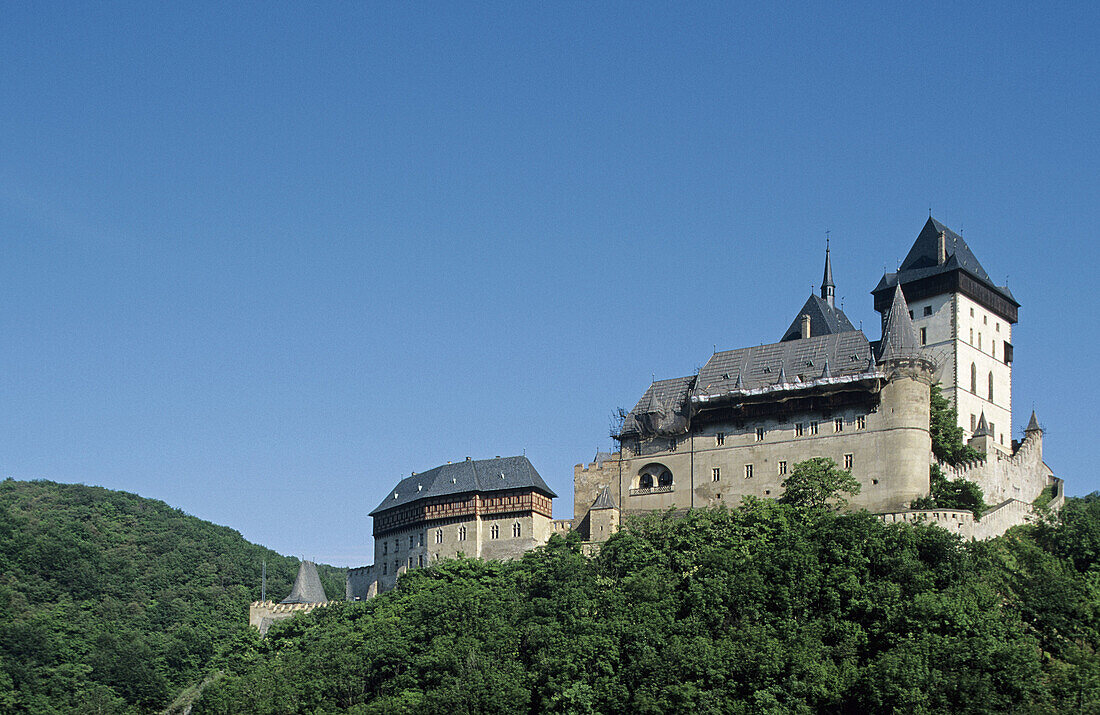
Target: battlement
(261, 614)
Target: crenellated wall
(1021, 475)
(261, 614)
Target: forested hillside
(767, 608)
(109, 600)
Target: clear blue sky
(263, 261)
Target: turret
(983, 439)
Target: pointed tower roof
(983, 427)
(604, 500)
(924, 275)
(828, 288)
(826, 372)
(899, 337)
(824, 320)
(307, 587)
(782, 375)
(1033, 424)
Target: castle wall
(1022, 475)
(261, 614)
(888, 446)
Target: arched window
(462, 533)
(991, 386)
(439, 536)
(654, 474)
(974, 378)
(494, 532)
(516, 530)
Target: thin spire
(828, 288)
(782, 375)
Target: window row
(415, 540)
(418, 562)
(801, 429)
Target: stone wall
(261, 614)
(1021, 475)
(887, 443)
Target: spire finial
(828, 289)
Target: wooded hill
(110, 601)
(114, 603)
(767, 608)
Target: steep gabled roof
(922, 261)
(660, 408)
(477, 475)
(307, 586)
(924, 252)
(751, 368)
(824, 320)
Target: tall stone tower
(964, 324)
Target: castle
(739, 426)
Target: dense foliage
(947, 442)
(110, 601)
(952, 494)
(769, 608)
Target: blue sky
(261, 261)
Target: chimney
(805, 325)
(941, 249)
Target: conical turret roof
(899, 337)
(307, 587)
(983, 427)
(1033, 424)
(604, 500)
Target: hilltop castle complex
(739, 426)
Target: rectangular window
(410, 562)
(928, 310)
(972, 336)
(971, 312)
(838, 424)
(672, 445)
(385, 548)
(847, 461)
(973, 422)
(748, 471)
(924, 336)
(813, 428)
(798, 430)
(782, 468)
(715, 474)
(759, 434)
(439, 536)
(516, 530)
(719, 439)
(979, 341)
(412, 541)
(861, 422)
(992, 429)
(420, 560)
(385, 568)
(985, 320)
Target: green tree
(947, 442)
(818, 483)
(951, 494)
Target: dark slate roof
(827, 278)
(307, 587)
(983, 427)
(824, 320)
(1033, 424)
(846, 353)
(660, 402)
(899, 337)
(477, 475)
(604, 500)
(920, 262)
